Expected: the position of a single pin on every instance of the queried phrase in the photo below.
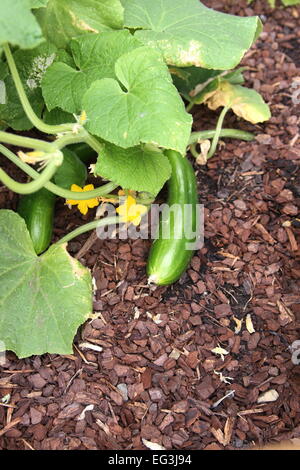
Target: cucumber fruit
(37, 209)
(169, 257)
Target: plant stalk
(90, 226)
(64, 193)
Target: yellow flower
(82, 118)
(83, 206)
(130, 211)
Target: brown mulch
(156, 377)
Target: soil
(156, 377)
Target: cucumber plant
(115, 83)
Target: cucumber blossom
(170, 255)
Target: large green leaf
(142, 106)
(139, 168)
(62, 20)
(95, 56)
(18, 26)
(188, 33)
(43, 300)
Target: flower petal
(77, 188)
(82, 207)
(92, 203)
(88, 187)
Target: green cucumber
(169, 257)
(37, 209)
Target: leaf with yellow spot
(244, 102)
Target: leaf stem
(35, 120)
(26, 142)
(189, 106)
(64, 193)
(38, 183)
(70, 138)
(230, 133)
(93, 143)
(217, 133)
(90, 226)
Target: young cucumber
(37, 209)
(172, 251)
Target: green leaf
(72, 169)
(38, 3)
(43, 300)
(18, 26)
(31, 65)
(188, 33)
(143, 106)
(288, 3)
(139, 168)
(187, 78)
(95, 56)
(62, 20)
(244, 102)
(57, 116)
(63, 87)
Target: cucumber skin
(37, 209)
(169, 258)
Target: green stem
(38, 183)
(26, 142)
(189, 106)
(230, 133)
(218, 131)
(36, 121)
(70, 138)
(93, 143)
(90, 226)
(194, 151)
(64, 193)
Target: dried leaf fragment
(238, 325)
(221, 351)
(223, 378)
(268, 396)
(249, 324)
(152, 445)
(93, 347)
(286, 315)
